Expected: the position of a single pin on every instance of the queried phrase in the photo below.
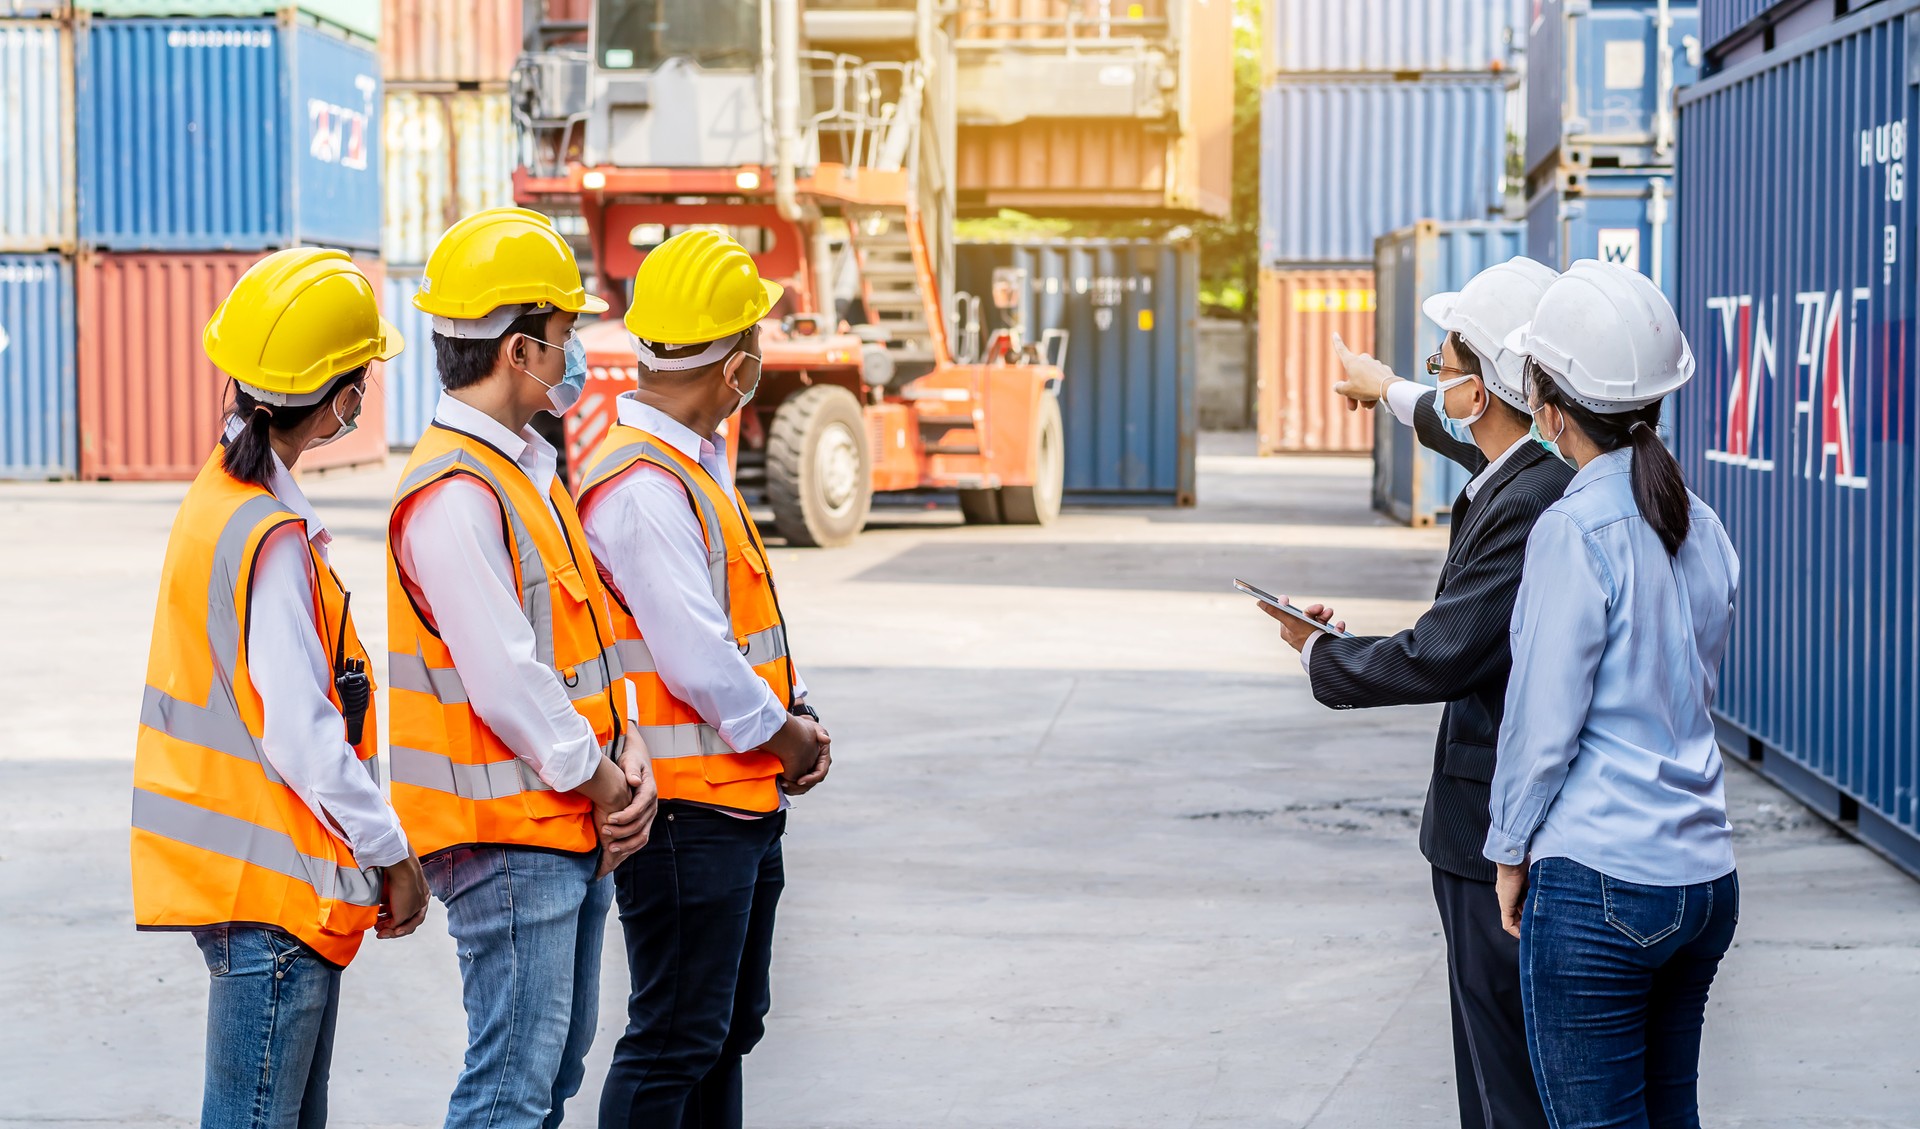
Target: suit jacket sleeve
(1459, 646)
(1434, 436)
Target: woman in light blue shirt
(1609, 816)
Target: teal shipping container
(39, 428)
(1129, 310)
(361, 17)
(1410, 483)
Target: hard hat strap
(487, 327)
(714, 351)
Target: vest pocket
(738, 767)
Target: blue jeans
(697, 906)
(528, 926)
(1614, 976)
(271, 1007)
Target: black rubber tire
(980, 507)
(801, 508)
(1039, 504)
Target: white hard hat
(1608, 336)
(1491, 305)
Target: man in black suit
(1457, 653)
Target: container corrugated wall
(38, 431)
(1721, 20)
(1300, 311)
(226, 135)
(1802, 425)
(36, 135)
(1040, 19)
(1344, 160)
(362, 17)
(1601, 81)
(1411, 483)
(1393, 35)
(1130, 308)
(1082, 165)
(447, 156)
(412, 386)
(32, 9)
(450, 40)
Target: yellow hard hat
(502, 257)
(297, 319)
(696, 287)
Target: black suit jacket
(1458, 651)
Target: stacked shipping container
(1376, 114)
(450, 150)
(1601, 76)
(1801, 425)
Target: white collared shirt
(302, 733)
(453, 558)
(651, 549)
(1403, 399)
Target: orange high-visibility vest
(218, 837)
(690, 760)
(455, 783)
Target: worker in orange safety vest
(258, 820)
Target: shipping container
(447, 156)
(1734, 29)
(449, 41)
(1136, 122)
(36, 136)
(1300, 311)
(227, 135)
(1344, 160)
(1411, 483)
(150, 401)
(38, 430)
(1623, 216)
(1392, 35)
(33, 9)
(1601, 76)
(412, 382)
(1800, 425)
(1130, 309)
(361, 17)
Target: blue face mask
(564, 395)
(1553, 448)
(1460, 429)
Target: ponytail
(1659, 489)
(1658, 486)
(249, 452)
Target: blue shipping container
(412, 383)
(1800, 425)
(1623, 216)
(1393, 35)
(1129, 308)
(1601, 76)
(39, 427)
(1410, 483)
(1344, 160)
(227, 134)
(1738, 28)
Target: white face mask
(347, 426)
(747, 396)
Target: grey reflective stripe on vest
(217, 725)
(492, 781)
(536, 599)
(709, 519)
(667, 742)
(761, 647)
(409, 671)
(249, 842)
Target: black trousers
(696, 907)
(1490, 1063)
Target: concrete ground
(1091, 855)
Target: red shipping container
(438, 41)
(1300, 311)
(150, 401)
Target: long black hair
(249, 454)
(1659, 489)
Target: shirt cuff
(571, 764)
(1306, 653)
(1403, 398)
(385, 850)
(752, 731)
(1504, 848)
